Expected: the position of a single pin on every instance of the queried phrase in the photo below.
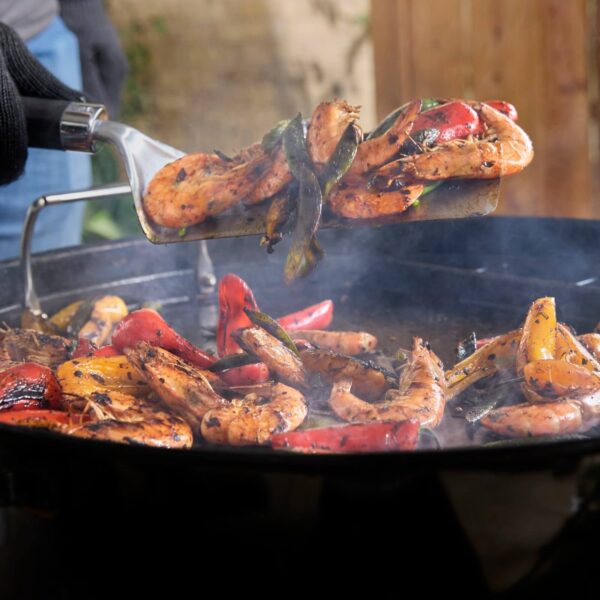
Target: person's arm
(21, 75)
(103, 62)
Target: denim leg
(48, 171)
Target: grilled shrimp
(368, 379)
(377, 151)
(591, 342)
(197, 186)
(421, 395)
(564, 398)
(578, 351)
(185, 389)
(345, 342)
(327, 124)
(278, 357)
(505, 149)
(353, 198)
(550, 380)
(252, 420)
(27, 345)
(271, 181)
(526, 420)
(143, 423)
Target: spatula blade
(456, 199)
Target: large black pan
(260, 520)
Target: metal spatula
(76, 126)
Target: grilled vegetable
(91, 377)
(246, 375)
(279, 214)
(371, 437)
(234, 296)
(106, 313)
(341, 159)
(450, 121)
(317, 316)
(146, 325)
(65, 316)
(240, 369)
(29, 385)
(538, 341)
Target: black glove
(21, 75)
(103, 63)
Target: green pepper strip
(426, 104)
(233, 361)
(81, 316)
(304, 251)
(273, 136)
(340, 160)
(271, 326)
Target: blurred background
(207, 74)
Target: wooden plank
(392, 75)
(419, 50)
(438, 45)
(565, 114)
(506, 42)
(531, 53)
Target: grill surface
(256, 517)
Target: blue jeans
(48, 171)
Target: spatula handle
(60, 124)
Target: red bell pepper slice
(367, 437)
(317, 316)
(234, 295)
(106, 351)
(246, 375)
(29, 385)
(452, 120)
(146, 325)
(84, 348)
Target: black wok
(244, 519)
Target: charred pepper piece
(29, 386)
(370, 437)
(278, 215)
(146, 325)
(234, 296)
(316, 316)
(304, 252)
(106, 313)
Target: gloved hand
(103, 62)
(21, 75)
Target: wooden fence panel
(533, 53)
